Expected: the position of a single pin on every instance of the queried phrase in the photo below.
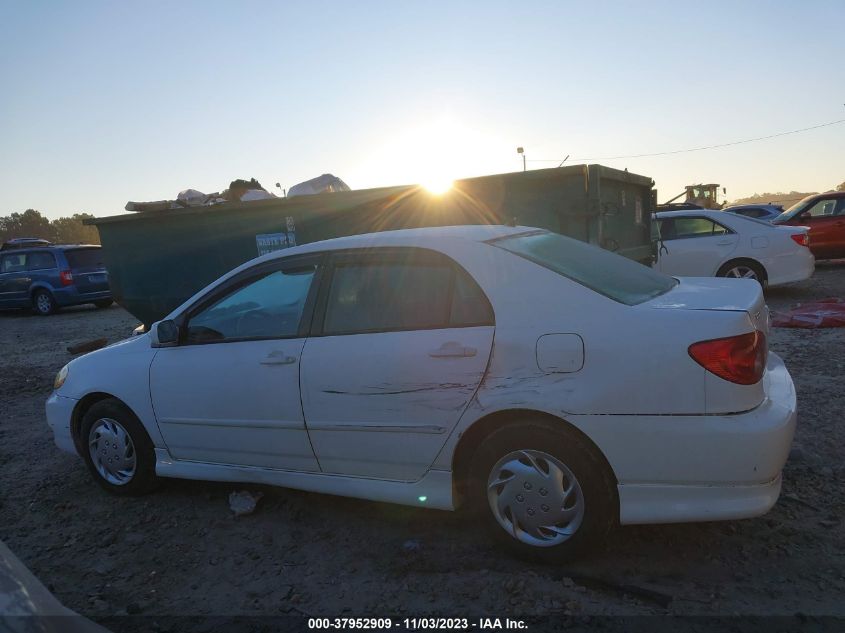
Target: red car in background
(824, 215)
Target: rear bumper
(652, 503)
(59, 413)
(797, 267)
(692, 468)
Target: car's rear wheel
(117, 449)
(103, 303)
(43, 303)
(743, 269)
(542, 492)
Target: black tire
(597, 484)
(43, 303)
(103, 303)
(759, 271)
(144, 479)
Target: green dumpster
(157, 259)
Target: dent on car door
(400, 344)
(229, 392)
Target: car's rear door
(694, 246)
(88, 270)
(400, 343)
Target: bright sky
(104, 102)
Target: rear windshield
(85, 257)
(611, 275)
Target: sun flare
(437, 185)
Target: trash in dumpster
(823, 313)
(246, 190)
(239, 191)
(326, 183)
(191, 198)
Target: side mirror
(164, 334)
(805, 216)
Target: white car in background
(705, 243)
(554, 388)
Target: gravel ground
(180, 551)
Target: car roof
(765, 207)
(48, 248)
(708, 213)
(407, 237)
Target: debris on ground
(243, 502)
(818, 314)
(87, 346)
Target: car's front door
(694, 246)
(229, 392)
(400, 343)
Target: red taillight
(740, 359)
(66, 277)
(802, 239)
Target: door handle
(452, 349)
(278, 357)
(727, 243)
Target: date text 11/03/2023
(418, 624)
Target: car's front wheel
(542, 492)
(117, 449)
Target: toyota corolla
(551, 388)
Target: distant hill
(784, 199)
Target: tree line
(65, 230)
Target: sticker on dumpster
(269, 242)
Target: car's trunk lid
(89, 272)
(715, 293)
(738, 308)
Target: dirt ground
(180, 551)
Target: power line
(692, 149)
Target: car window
(13, 263)
(609, 274)
(822, 208)
(469, 303)
(382, 296)
(684, 228)
(268, 307)
(388, 296)
(40, 261)
(85, 257)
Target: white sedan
(554, 388)
(704, 243)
